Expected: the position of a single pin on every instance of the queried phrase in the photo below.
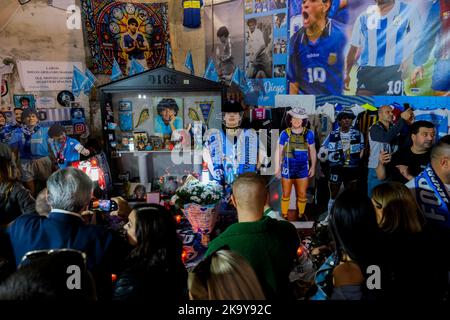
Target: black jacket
(151, 281)
(15, 200)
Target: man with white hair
(69, 193)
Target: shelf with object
(142, 115)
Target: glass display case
(143, 117)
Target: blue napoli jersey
(128, 41)
(318, 67)
(34, 148)
(69, 152)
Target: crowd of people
(387, 242)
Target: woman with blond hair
(414, 264)
(224, 275)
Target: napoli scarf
(230, 156)
(27, 134)
(436, 211)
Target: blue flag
(210, 72)
(116, 72)
(169, 60)
(135, 68)
(236, 78)
(188, 63)
(90, 81)
(78, 81)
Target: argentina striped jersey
(385, 40)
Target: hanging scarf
(27, 134)
(437, 211)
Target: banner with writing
(46, 75)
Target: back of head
(5, 163)
(42, 206)
(250, 194)
(400, 210)
(441, 149)
(56, 130)
(157, 238)
(354, 227)
(50, 277)
(225, 275)
(69, 189)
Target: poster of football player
(390, 47)
(225, 40)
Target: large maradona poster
(381, 47)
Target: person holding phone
(383, 136)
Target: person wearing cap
(64, 149)
(296, 149)
(30, 143)
(231, 151)
(14, 198)
(383, 136)
(343, 149)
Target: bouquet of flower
(194, 191)
(199, 201)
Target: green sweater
(270, 246)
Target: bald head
(249, 196)
(441, 149)
(385, 114)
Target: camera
(104, 205)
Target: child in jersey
(296, 148)
(65, 149)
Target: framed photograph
(125, 106)
(140, 140)
(139, 191)
(167, 114)
(24, 101)
(156, 142)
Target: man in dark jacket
(69, 194)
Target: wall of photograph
(266, 50)
(391, 48)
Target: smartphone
(386, 148)
(103, 205)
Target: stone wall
(37, 31)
